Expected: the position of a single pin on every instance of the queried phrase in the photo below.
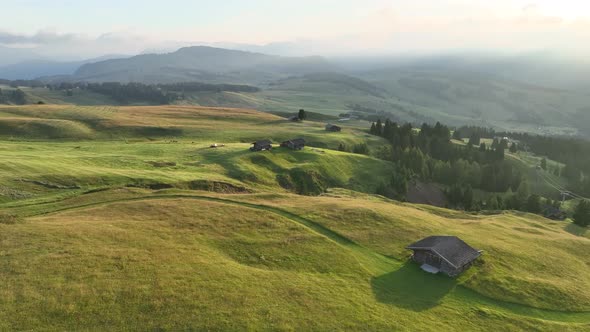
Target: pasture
(123, 218)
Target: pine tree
(533, 204)
(18, 97)
(379, 128)
(492, 203)
(468, 197)
(495, 144)
(387, 130)
(582, 214)
(302, 116)
(501, 204)
(373, 130)
(499, 153)
(522, 195)
(475, 139)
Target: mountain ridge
(198, 62)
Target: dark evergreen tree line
(428, 154)
(582, 214)
(16, 96)
(473, 131)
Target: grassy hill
(132, 259)
(427, 94)
(90, 147)
(57, 97)
(123, 218)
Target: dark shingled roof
(263, 142)
(450, 248)
(296, 141)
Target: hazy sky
(95, 27)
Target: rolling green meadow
(423, 94)
(124, 219)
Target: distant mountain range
(253, 64)
(39, 68)
(10, 56)
(522, 93)
(201, 63)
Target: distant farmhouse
(261, 145)
(554, 213)
(294, 144)
(446, 254)
(334, 128)
(294, 118)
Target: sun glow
(569, 10)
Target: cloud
(42, 37)
(376, 27)
(531, 8)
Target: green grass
(30, 171)
(542, 182)
(122, 230)
(183, 261)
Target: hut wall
(449, 269)
(427, 257)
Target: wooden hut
(446, 254)
(334, 128)
(294, 144)
(554, 213)
(261, 145)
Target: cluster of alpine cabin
(293, 144)
(266, 145)
(445, 254)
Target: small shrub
(307, 182)
(361, 149)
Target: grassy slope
(177, 259)
(542, 182)
(473, 98)
(114, 152)
(79, 97)
(329, 263)
(427, 95)
(192, 123)
(60, 168)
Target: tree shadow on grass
(575, 229)
(411, 288)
